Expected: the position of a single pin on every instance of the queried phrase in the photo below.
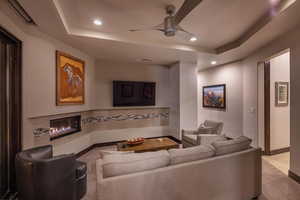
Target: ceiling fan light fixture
(98, 22)
(193, 39)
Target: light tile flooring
(280, 161)
(276, 184)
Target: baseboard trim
(278, 151)
(294, 176)
(116, 142)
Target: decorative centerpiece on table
(135, 141)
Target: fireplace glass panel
(64, 126)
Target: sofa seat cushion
(190, 138)
(109, 152)
(81, 169)
(230, 146)
(191, 154)
(121, 164)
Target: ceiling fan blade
(185, 9)
(179, 28)
(159, 27)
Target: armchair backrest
(217, 126)
(39, 175)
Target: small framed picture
(214, 96)
(281, 93)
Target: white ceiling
(215, 22)
(204, 21)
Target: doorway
(10, 110)
(274, 109)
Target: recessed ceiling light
(97, 22)
(213, 62)
(193, 39)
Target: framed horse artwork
(69, 79)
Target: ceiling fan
(171, 23)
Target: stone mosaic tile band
(121, 117)
(37, 132)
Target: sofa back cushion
(191, 154)
(212, 127)
(230, 146)
(121, 164)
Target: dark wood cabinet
(10, 110)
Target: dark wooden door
(10, 110)
(3, 121)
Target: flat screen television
(132, 93)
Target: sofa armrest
(206, 130)
(189, 132)
(206, 139)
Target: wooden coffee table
(149, 145)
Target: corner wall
(174, 93)
(188, 96)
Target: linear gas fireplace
(64, 126)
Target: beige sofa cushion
(191, 154)
(230, 146)
(120, 164)
(110, 152)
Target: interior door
(3, 120)
(10, 110)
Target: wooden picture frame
(214, 96)
(281, 94)
(70, 80)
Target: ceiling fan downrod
(169, 22)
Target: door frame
(267, 99)
(267, 104)
(15, 111)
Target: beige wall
(279, 116)
(107, 71)
(232, 117)
(188, 96)
(39, 76)
(39, 82)
(250, 85)
(173, 92)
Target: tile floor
(280, 161)
(276, 184)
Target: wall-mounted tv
(132, 93)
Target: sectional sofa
(225, 170)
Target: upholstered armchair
(207, 133)
(40, 176)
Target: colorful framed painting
(281, 94)
(214, 96)
(70, 76)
